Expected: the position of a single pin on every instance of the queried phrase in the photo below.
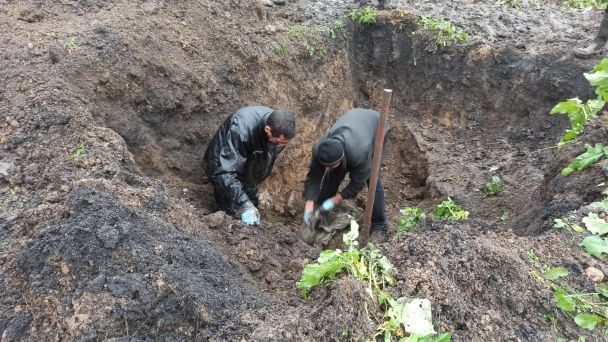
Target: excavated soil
(108, 229)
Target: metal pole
(373, 179)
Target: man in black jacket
(347, 147)
(242, 154)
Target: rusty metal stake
(373, 179)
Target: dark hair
(282, 122)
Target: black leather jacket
(240, 155)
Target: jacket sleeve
(358, 178)
(232, 162)
(312, 185)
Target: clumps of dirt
(109, 270)
(480, 282)
(338, 313)
(558, 195)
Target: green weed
(412, 217)
(567, 223)
(70, 42)
(337, 29)
(365, 16)
(78, 151)
(580, 4)
(450, 210)
(494, 186)
(579, 112)
(504, 216)
(316, 53)
(3, 247)
(446, 33)
(298, 32)
(279, 49)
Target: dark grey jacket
(356, 129)
(240, 155)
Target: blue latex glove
(251, 216)
(307, 216)
(327, 205)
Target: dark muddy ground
(119, 240)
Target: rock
(278, 2)
(270, 28)
(4, 167)
(15, 328)
(97, 283)
(108, 235)
(265, 200)
(267, 3)
(215, 220)
(594, 274)
(150, 7)
(271, 277)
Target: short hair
(282, 122)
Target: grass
(71, 42)
(279, 49)
(3, 247)
(365, 16)
(580, 4)
(446, 33)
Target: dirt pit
(108, 229)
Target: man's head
(281, 127)
(330, 152)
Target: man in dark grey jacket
(242, 154)
(347, 147)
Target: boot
(598, 43)
(377, 236)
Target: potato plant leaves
(595, 245)
(595, 224)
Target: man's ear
(268, 130)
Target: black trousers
(331, 184)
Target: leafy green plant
(316, 53)
(586, 159)
(450, 210)
(3, 247)
(590, 308)
(446, 33)
(413, 317)
(494, 186)
(70, 42)
(553, 273)
(279, 49)
(298, 32)
(368, 265)
(365, 16)
(580, 4)
(579, 112)
(568, 223)
(411, 219)
(595, 245)
(504, 216)
(77, 152)
(337, 29)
